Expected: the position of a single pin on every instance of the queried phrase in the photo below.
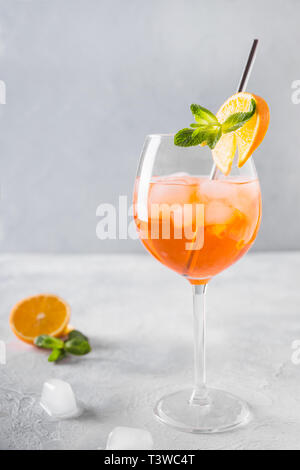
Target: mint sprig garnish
(207, 130)
(76, 343)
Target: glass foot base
(224, 412)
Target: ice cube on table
(58, 399)
(126, 438)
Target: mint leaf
(213, 136)
(48, 342)
(57, 355)
(203, 116)
(237, 120)
(208, 134)
(77, 346)
(77, 334)
(187, 138)
(202, 134)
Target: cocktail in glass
(198, 227)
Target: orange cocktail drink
(212, 223)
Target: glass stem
(200, 393)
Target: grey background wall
(88, 79)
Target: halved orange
(248, 137)
(43, 314)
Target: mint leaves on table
(57, 355)
(76, 343)
(207, 130)
(77, 346)
(48, 342)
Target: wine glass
(196, 226)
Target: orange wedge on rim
(44, 314)
(247, 138)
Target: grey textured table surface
(138, 316)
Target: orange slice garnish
(248, 137)
(44, 314)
